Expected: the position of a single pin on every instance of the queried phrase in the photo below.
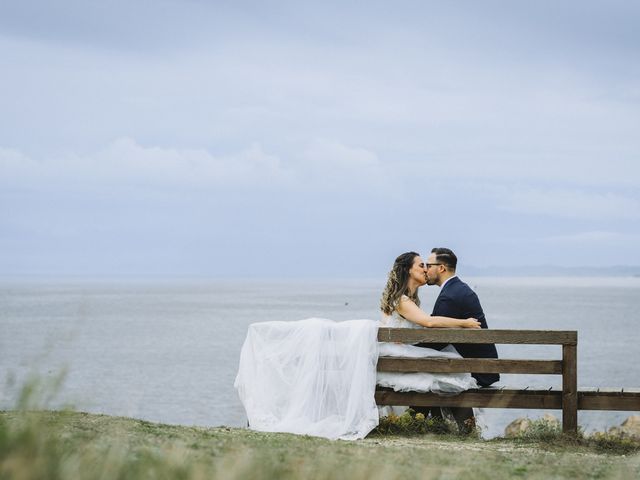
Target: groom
(457, 300)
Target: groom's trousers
(462, 415)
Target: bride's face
(418, 271)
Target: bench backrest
(567, 367)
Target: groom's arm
(447, 307)
(471, 308)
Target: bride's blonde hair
(398, 284)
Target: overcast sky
(275, 139)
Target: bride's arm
(409, 310)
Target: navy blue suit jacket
(457, 300)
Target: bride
(318, 377)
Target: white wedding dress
(419, 382)
(318, 377)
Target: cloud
(462, 96)
(137, 24)
(125, 162)
(570, 204)
(285, 124)
(320, 165)
(334, 166)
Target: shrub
(412, 423)
(610, 443)
(541, 430)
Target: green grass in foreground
(72, 445)
(539, 431)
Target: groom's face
(432, 271)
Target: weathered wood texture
(569, 399)
(609, 399)
(459, 335)
(477, 365)
(588, 399)
(483, 397)
(569, 388)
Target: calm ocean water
(168, 351)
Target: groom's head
(441, 264)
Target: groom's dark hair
(446, 257)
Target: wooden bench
(568, 399)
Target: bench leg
(569, 390)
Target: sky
(302, 139)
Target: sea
(168, 350)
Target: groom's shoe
(465, 419)
(468, 426)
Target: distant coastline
(541, 271)
(552, 271)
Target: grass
(75, 445)
(38, 443)
(550, 434)
(541, 431)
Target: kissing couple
(457, 306)
(318, 377)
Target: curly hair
(398, 283)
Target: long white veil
(314, 377)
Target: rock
(517, 427)
(547, 417)
(630, 428)
(521, 425)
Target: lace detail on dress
(395, 320)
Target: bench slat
(477, 365)
(458, 335)
(609, 399)
(485, 398)
(502, 397)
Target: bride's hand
(470, 323)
